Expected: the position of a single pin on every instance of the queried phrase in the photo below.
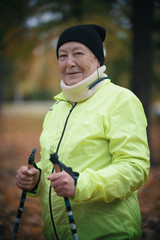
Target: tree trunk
(142, 53)
(142, 27)
(1, 85)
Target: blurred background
(29, 79)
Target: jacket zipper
(50, 203)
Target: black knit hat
(90, 35)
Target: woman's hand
(63, 184)
(26, 179)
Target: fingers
(63, 184)
(26, 178)
(33, 171)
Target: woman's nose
(70, 61)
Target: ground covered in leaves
(19, 134)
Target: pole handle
(57, 168)
(22, 199)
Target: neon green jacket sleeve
(125, 129)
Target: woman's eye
(78, 53)
(62, 56)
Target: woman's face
(76, 62)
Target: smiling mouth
(72, 73)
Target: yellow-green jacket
(105, 141)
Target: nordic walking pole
(23, 198)
(57, 167)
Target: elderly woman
(99, 130)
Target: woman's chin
(70, 81)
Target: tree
(12, 17)
(142, 51)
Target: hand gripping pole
(22, 199)
(58, 168)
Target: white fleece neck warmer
(80, 91)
